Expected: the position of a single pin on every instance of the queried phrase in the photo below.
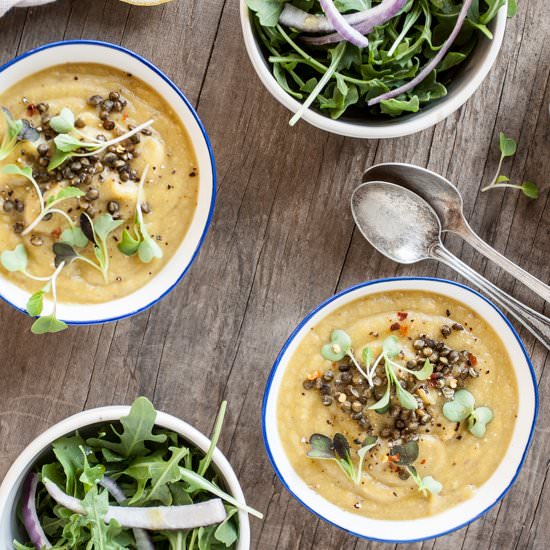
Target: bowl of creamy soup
(107, 184)
(400, 409)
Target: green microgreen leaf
(341, 446)
(321, 447)
(69, 144)
(427, 484)
(460, 407)
(16, 259)
(35, 304)
(512, 8)
(478, 420)
(406, 454)
(63, 123)
(530, 189)
(25, 171)
(148, 249)
(74, 236)
(65, 193)
(508, 145)
(339, 346)
(502, 179)
(104, 225)
(128, 245)
(391, 347)
(63, 253)
(384, 402)
(48, 324)
(58, 158)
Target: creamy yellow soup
(448, 452)
(169, 193)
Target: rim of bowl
(26, 459)
(397, 525)
(208, 179)
(399, 127)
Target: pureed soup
(96, 172)
(398, 405)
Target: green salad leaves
(339, 78)
(149, 467)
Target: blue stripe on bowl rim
(321, 307)
(181, 95)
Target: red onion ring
(344, 29)
(432, 64)
(30, 515)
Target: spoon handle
(536, 285)
(535, 322)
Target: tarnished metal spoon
(405, 228)
(446, 200)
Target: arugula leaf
(68, 452)
(137, 429)
(268, 11)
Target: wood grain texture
(282, 240)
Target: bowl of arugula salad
(124, 478)
(373, 68)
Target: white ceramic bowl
(83, 51)
(463, 86)
(486, 496)
(10, 489)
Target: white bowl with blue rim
(85, 51)
(456, 517)
(40, 448)
(463, 86)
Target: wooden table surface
(281, 241)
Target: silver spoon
(405, 228)
(446, 200)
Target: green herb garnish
(338, 450)
(15, 131)
(508, 148)
(138, 240)
(67, 146)
(17, 260)
(405, 455)
(390, 350)
(462, 407)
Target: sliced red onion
(346, 31)
(30, 515)
(432, 64)
(374, 17)
(143, 542)
(155, 518)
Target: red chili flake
(56, 233)
(31, 109)
(423, 461)
(404, 330)
(395, 326)
(124, 116)
(472, 359)
(314, 375)
(394, 458)
(402, 315)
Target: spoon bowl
(395, 221)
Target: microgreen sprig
(67, 146)
(405, 455)
(15, 131)
(95, 232)
(17, 260)
(390, 350)
(140, 241)
(508, 148)
(338, 450)
(46, 206)
(462, 407)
